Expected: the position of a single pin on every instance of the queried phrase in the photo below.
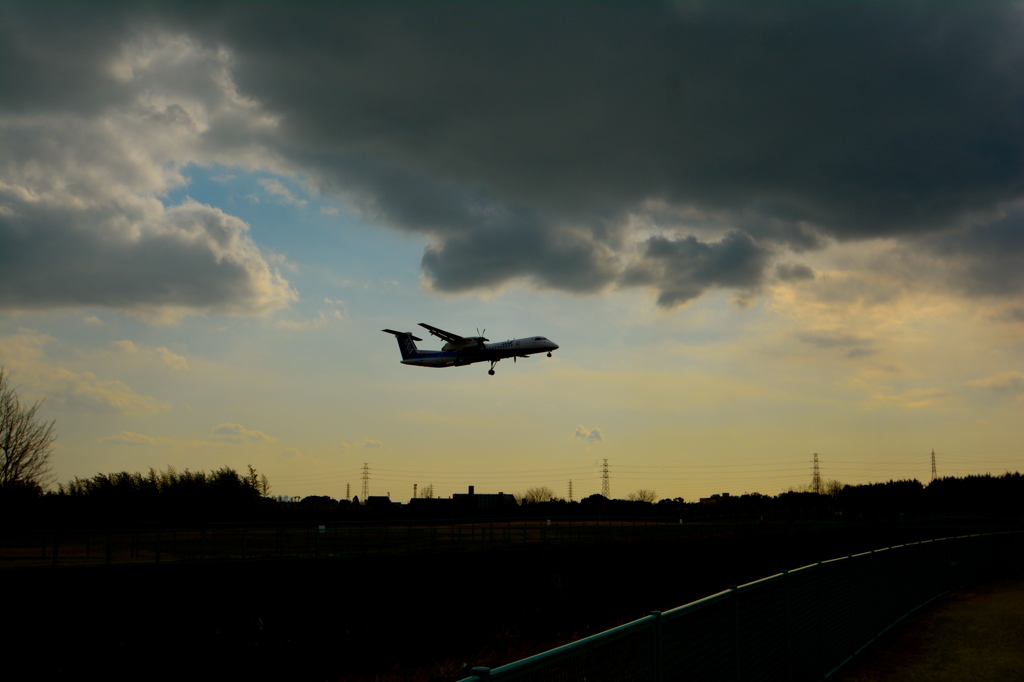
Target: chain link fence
(227, 542)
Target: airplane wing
(447, 336)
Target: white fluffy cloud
(81, 217)
(589, 435)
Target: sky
(757, 232)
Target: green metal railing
(802, 624)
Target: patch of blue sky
(312, 230)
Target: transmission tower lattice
(606, 481)
(570, 490)
(933, 466)
(366, 481)
(816, 477)
(348, 492)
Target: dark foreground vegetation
(433, 613)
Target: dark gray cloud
(551, 256)
(982, 260)
(795, 122)
(793, 272)
(523, 139)
(52, 59)
(849, 117)
(683, 269)
(191, 257)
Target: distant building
(432, 505)
(714, 499)
(484, 501)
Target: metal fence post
(736, 631)
(954, 555)
(789, 624)
(821, 620)
(854, 607)
(659, 647)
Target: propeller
(480, 334)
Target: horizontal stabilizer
(409, 334)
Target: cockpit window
(540, 338)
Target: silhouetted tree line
(224, 494)
(986, 495)
(168, 496)
(991, 496)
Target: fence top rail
(705, 601)
(760, 581)
(540, 660)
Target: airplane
(465, 350)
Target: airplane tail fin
(406, 343)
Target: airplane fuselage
(485, 352)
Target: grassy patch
(972, 634)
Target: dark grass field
(972, 635)
(400, 618)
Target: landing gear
(549, 354)
(491, 370)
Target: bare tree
(427, 492)
(643, 495)
(833, 488)
(540, 493)
(25, 441)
